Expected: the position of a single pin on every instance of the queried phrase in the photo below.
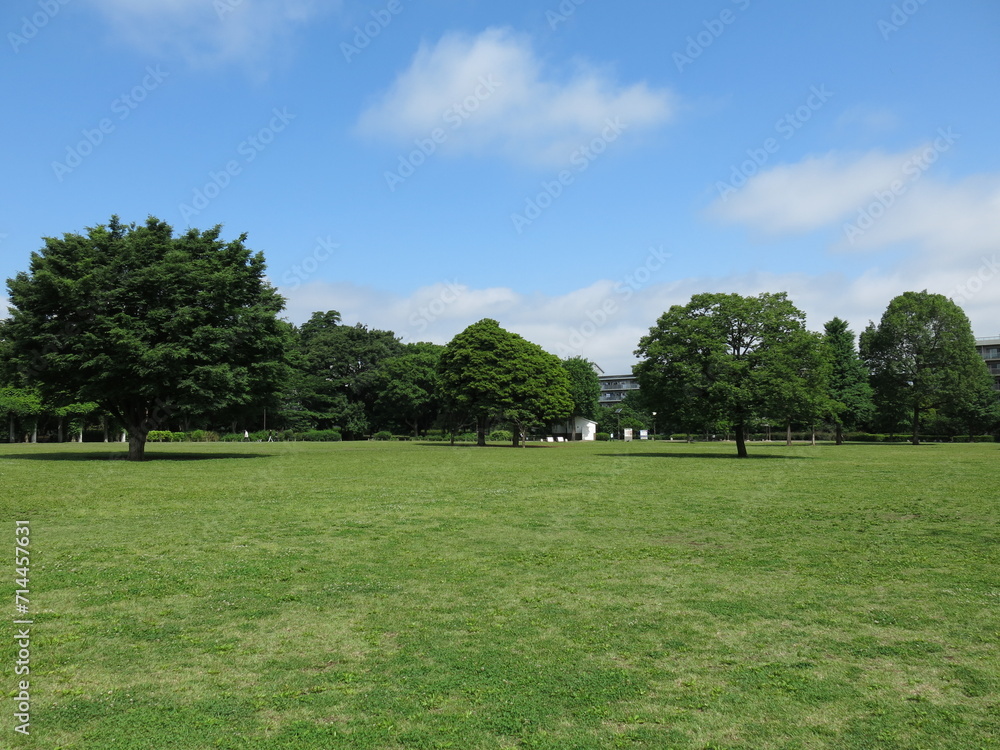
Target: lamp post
(654, 425)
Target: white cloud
(812, 193)
(604, 323)
(875, 201)
(492, 93)
(206, 32)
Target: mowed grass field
(409, 595)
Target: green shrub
(382, 435)
(501, 436)
(603, 436)
(160, 436)
(467, 437)
(321, 436)
(864, 437)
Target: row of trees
(736, 362)
(143, 330)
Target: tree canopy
(849, 388)
(338, 370)
(584, 386)
(144, 323)
(489, 373)
(717, 359)
(922, 356)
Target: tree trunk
(137, 426)
(840, 434)
(136, 447)
(59, 429)
(481, 432)
(916, 425)
(515, 434)
(813, 436)
(788, 434)
(34, 432)
(13, 433)
(104, 426)
(741, 442)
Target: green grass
(407, 595)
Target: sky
(570, 168)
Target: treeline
(129, 329)
(740, 365)
(346, 382)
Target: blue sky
(569, 168)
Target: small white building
(578, 428)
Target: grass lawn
(408, 595)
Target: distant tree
(922, 356)
(144, 323)
(539, 390)
(407, 387)
(849, 388)
(338, 370)
(489, 373)
(629, 413)
(795, 378)
(715, 359)
(584, 387)
(22, 404)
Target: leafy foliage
(143, 323)
(584, 386)
(718, 359)
(849, 388)
(489, 373)
(922, 357)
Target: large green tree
(407, 388)
(584, 386)
(922, 356)
(849, 389)
(338, 365)
(715, 359)
(795, 377)
(144, 323)
(489, 374)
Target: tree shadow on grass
(730, 456)
(473, 445)
(123, 456)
